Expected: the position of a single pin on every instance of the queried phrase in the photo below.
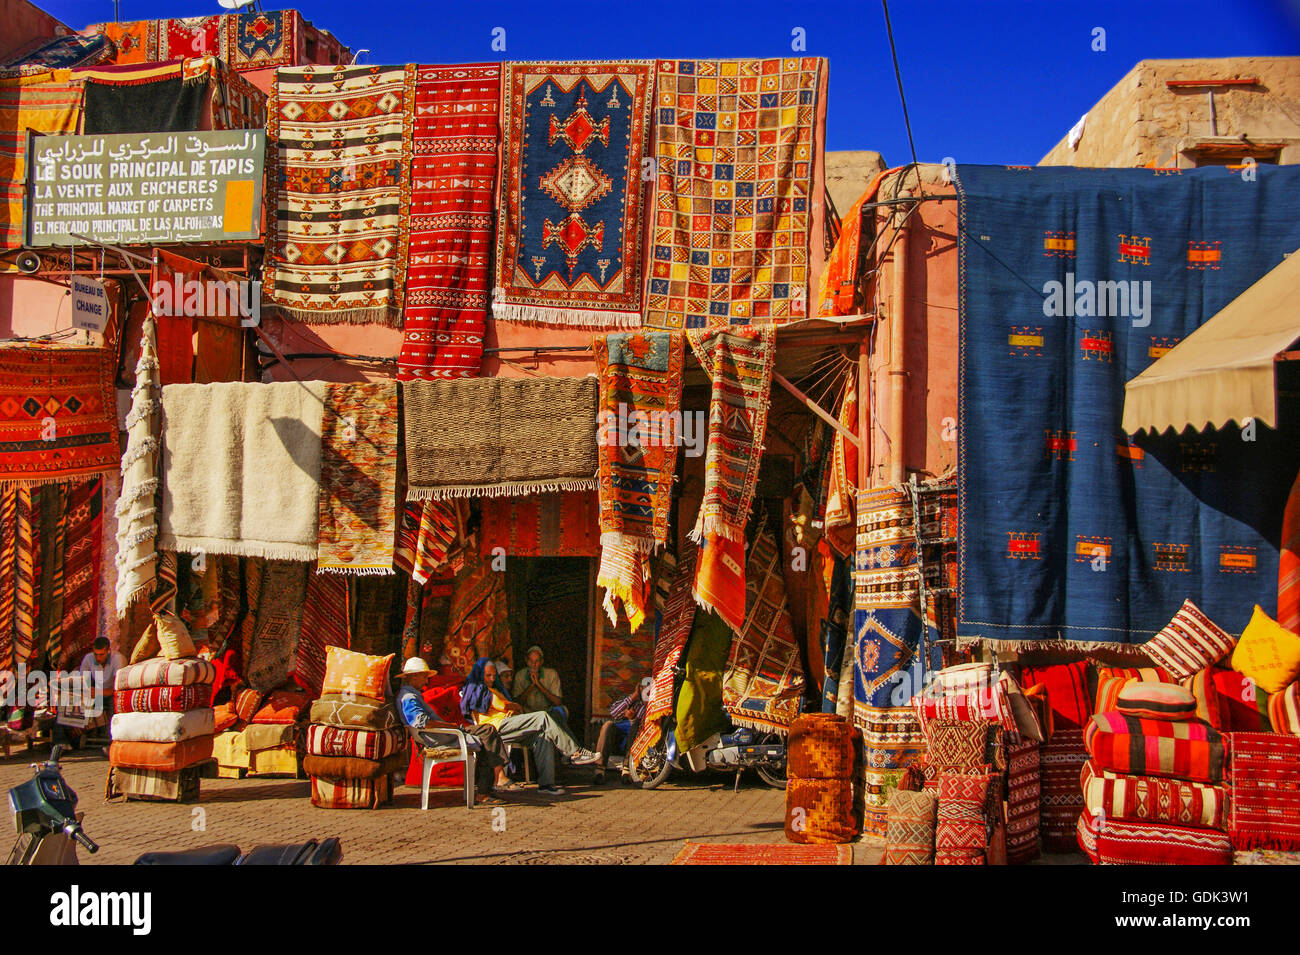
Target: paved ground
(610, 824)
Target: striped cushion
(1157, 701)
(1189, 642)
(1284, 710)
(1152, 799)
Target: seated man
(537, 688)
(98, 670)
(616, 733)
(417, 714)
(485, 699)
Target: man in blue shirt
(416, 714)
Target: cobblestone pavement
(609, 824)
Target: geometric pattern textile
(910, 839)
(1264, 780)
(1151, 799)
(453, 178)
(1146, 747)
(1154, 843)
(737, 141)
(960, 836)
(570, 216)
(338, 216)
(47, 103)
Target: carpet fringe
(305, 553)
(1059, 645)
(373, 315)
(518, 489)
(740, 718)
(15, 482)
(1254, 839)
(355, 571)
(714, 525)
(646, 545)
(578, 317)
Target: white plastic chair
(462, 748)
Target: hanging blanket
(499, 436)
(762, 687)
(894, 642)
(260, 41)
(1152, 799)
(358, 475)
(324, 624)
(135, 42)
(276, 592)
(136, 508)
(622, 657)
(739, 365)
(54, 528)
(82, 559)
(542, 525)
(477, 625)
(1191, 750)
(27, 550)
(625, 574)
(720, 579)
(190, 36)
(1264, 779)
(1288, 566)
(453, 177)
(699, 702)
(47, 103)
(155, 98)
(739, 144)
(59, 53)
(241, 469)
(58, 414)
(441, 525)
(670, 644)
(570, 217)
(339, 156)
(1071, 283)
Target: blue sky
(987, 81)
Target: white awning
(1223, 371)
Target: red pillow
(282, 706)
(1242, 706)
(1067, 692)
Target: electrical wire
(889, 28)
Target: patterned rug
(1050, 484)
(135, 554)
(58, 414)
(1264, 781)
(260, 41)
(541, 525)
(670, 643)
(336, 247)
(749, 129)
(622, 657)
(780, 853)
(641, 375)
(888, 626)
(478, 624)
(489, 437)
(276, 591)
(453, 177)
(325, 616)
(762, 687)
(442, 524)
(358, 478)
(190, 36)
(570, 220)
(54, 536)
(59, 53)
(135, 42)
(739, 365)
(45, 103)
(26, 511)
(720, 579)
(82, 557)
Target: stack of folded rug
(261, 734)
(1152, 787)
(162, 728)
(355, 742)
(819, 796)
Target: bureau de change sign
(145, 188)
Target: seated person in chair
(616, 733)
(417, 715)
(537, 687)
(486, 700)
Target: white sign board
(89, 304)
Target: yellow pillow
(358, 674)
(1268, 653)
(173, 636)
(147, 646)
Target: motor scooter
(49, 831)
(735, 751)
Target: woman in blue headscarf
(484, 699)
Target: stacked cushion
(355, 741)
(1024, 788)
(961, 831)
(1157, 701)
(1153, 799)
(164, 722)
(819, 790)
(910, 828)
(1144, 747)
(1115, 842)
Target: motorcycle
(49, 831)
(736, 751)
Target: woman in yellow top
(485, 699)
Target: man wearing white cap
(417, 714)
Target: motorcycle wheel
(653, 768)
(776, 778)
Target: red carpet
(782, 853)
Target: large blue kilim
(1072, 531)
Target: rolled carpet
(333, 709)
(162, 727)
(163, 699)
(160, 672)
(1120, 842)
(160, 757)
(1153, 799)
(352, 767)
(819, 810)
(329, 793)
(367, 744)
(1136, 746)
